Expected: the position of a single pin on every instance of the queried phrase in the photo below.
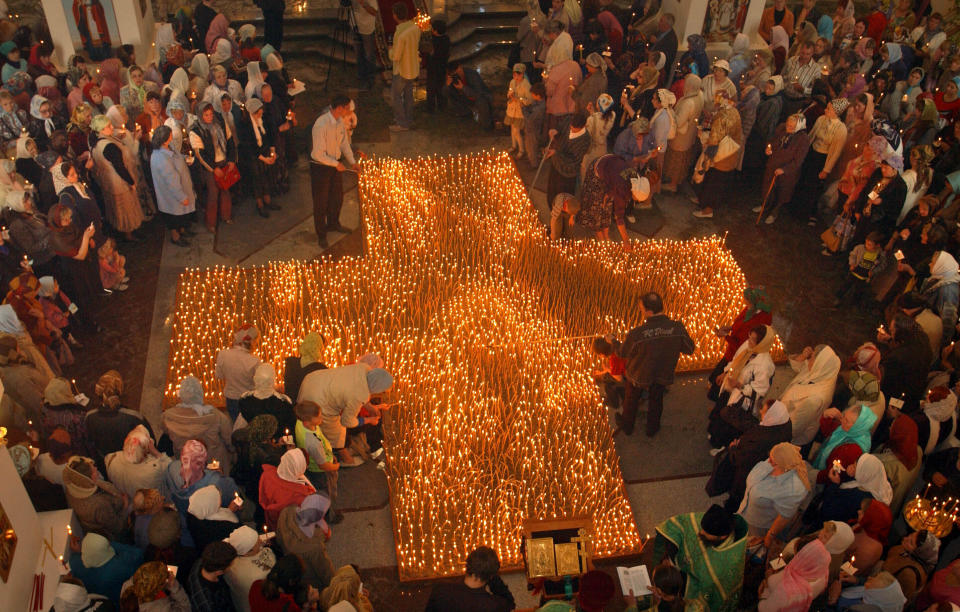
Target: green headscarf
(759, 298)
(310, 348)
(864, 386)
(262, 428)
(859, 434)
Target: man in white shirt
(330, 145)
(365, 17)
(405, 56)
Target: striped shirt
(805, 75)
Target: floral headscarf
(193, 460)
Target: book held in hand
(634, 578)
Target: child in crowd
(436, 62)
(55, 302)
(610, 378)
(113, 272)
(518, 96)
(865, 261)
(563, 214)
(533, 122)
(322, 466)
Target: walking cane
(533, 185)
(763, 206)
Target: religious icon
(8, 544)
(568, 559)
(540, 561)
(94, 26)
(724, 19)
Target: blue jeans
(401, 93)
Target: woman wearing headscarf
(258, 148)
(199, 77)
(663, 123)
(594, 84)
(110, 81)
(740, 56)
(192, 419)
(284, 485)
(827, 138)
(851, 427)
(775, 488)
(761, 68)
(941, 291)
(220, 85)
(880, 591)
(265, 399)
(696, 55)
(676, 164)
(901, 457)
(843, 21)
(894, 61)
(78, 132)
(937, 420)
(152, 117)
(99, 505)
(912, 561)
(209, 521)
(785, 154)
(14, 74)
(29, 232)
(721, 154)
(176, 198)
(190, 473)
(178, 120)
(768, 112)
(104, 564)
(278, 113)
(779, 46)
(257, 444)
(864, 482)
(74, 194)
(345, 588)
(214, 153)
(217, 30)
(131, 143)
(755, 313)
(803, 579)
(754, 444)
(77, 79)
(600, 123)
(26, 164)
(72, 243)
(133, 95)
(917, 178)
(639, 100)
(23, 298)
(139, 465)
(296, 367)
(747, 107)
(811, 390)
(301, 531)
(153, 589)
(13, 120)
(741, 386)
(596, 211)
(114, 168)
(857, 172)
(42, 122)
(249, 50)
(254, 80)
(61, 411)
(93, 95)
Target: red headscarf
(86, 91)
(876, 521)
(903, 440)
(35, 61)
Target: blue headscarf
(859, 434)
(825, 27)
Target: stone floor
(660, 481)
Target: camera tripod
(343, 30)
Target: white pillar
(57, 19)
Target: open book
(636, 579)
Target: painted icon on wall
(724, 19)
(93, 26)
(8, 544)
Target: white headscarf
(777, 414)
(264, 379)
(22, 151)
(945, 270)
(191, 396)
(872, 478)
(200, 66)
(71, 598)
(9, 321)
(15, 200)
(222, 53)
(205, 505)
(293, 467)
(165, 38)
(35, 103)
(243, 539)
(254, 79)
(180, 81)
(136, 443)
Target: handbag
(721, 478)
(228, 178)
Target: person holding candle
(257, 445)
(61, 410)
(302, 531)
(652, 351)
(139, 465)
(109, 423)
(190, 473)
(173, 185)
(99, 505)
(153, 589)
(192, 419)
(676, 164)
(905, 361)
(827, 139)
(115, 171)
(912, 561)
(803, 579)
(721, 154)
(774, 491)
(207, 519)
(254, 562)
(902, 459)
(593, 85)
(284, 486)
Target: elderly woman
(756, 312)
(42, 121)
(860, 482)
(133, 95)
(811, 390)
(220, 85)
(753, 445)
(99, 505)
(139, 465)
(605, 189)
(23, 298)
(215, 154)
(937, 422)
(178, 120)
(296, 367)
(676, 163)
(720, 156)
(850, 428)
(827, 138)
(803, 579)
(714, 82)
(78, 132)
(912, 561)
(23, 381)
(258, 148)
(593, 84)
(176, 198)
(103, 564)
(192, 419)
(235, 366)
(278, 112)
(901, 457)
(341, 393)
(61, 410)
(285, 485)
(785, 155)
(190, 473)
(207, 519)
(265, 399)
(942, 291)
(775, 488)
(302, 531)
(26, 163)
(114, 168)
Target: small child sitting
(54, 303)
(113, 273)
(534, 116)
(610, 378)
(865, 261)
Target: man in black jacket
(481, 590)
(651, 351)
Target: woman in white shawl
(179, 121)
(139, 465)
(164, 39)
(676, 162)
(207, 520)
(811, 390)
(254, 80)
(221, 84)
(117, 115)
(941, 291)
(869, 476)
(192, 419)
(265, 399)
